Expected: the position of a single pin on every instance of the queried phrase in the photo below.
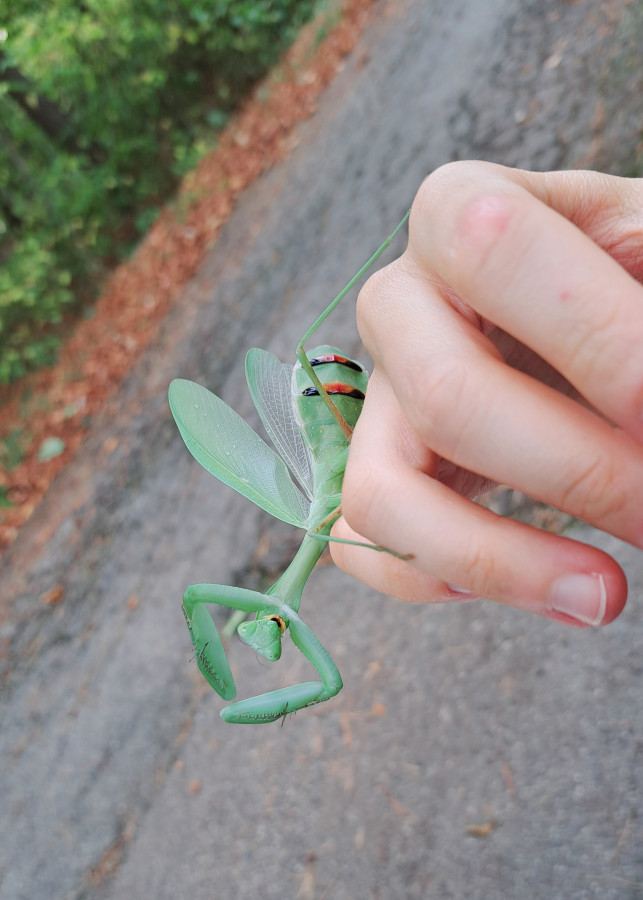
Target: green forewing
(227, 447)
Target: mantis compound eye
(264, 635)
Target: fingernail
(583, 597)
(463, 592)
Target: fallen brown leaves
(59, 402)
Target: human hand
(508, 342)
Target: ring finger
(389, 497)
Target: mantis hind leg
(208, 649)
(334, 540)
(321, 533)
(333, 303)
(277, 704)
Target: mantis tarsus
(310, 420)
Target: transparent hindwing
(270, 384)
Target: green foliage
(104, 104)
(13, 448)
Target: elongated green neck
(290, 586)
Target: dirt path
(474, 752)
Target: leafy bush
(104, 104)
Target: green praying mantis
(309, 411)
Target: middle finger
(469, 407)
(534, 274)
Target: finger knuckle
(440, 403)
(361, 498)
(449, 182)
(590, 342)
(593, 490)
(374, 296)
(479, 569)
(481, 213)
(370, 496)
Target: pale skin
(519, 294)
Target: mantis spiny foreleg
(208, 649)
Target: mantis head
(264, 634)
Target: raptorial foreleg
(210, 655)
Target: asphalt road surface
(475, 751)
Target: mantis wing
(227, 447)
(270, 383)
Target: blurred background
(105, 106)
(179, 182)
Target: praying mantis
(309, 411)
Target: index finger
(507, 251)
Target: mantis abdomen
(344, 382)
